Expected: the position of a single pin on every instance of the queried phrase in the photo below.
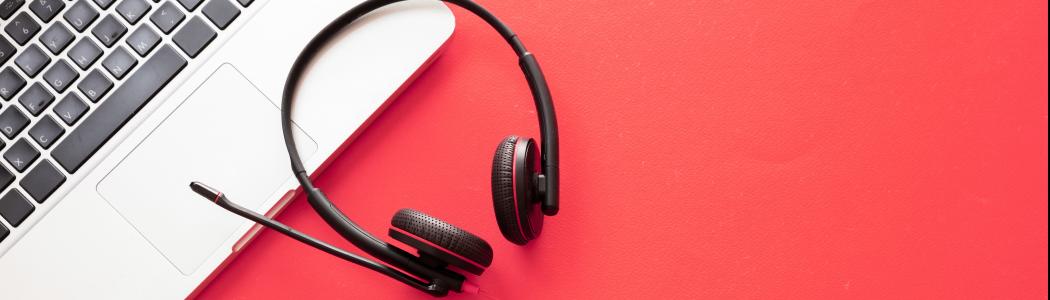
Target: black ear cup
(437, 239)
(514, 192)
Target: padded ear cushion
(513, 167)
(442, 240)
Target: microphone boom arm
(220, 199)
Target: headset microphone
(220, 199)
(524, 184)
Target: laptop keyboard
(74, 72)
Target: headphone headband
(441, 280)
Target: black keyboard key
(193, 37)
(43, 180)
(133, 10)
(119, 63)
(15, 208)
(12, 121)
(7, 50)
(6, 177)
(32, 60)
(46, 132)
(190, 5)
(81, 15)
(22, 28)
(167, 17)
(143, 40)
(111, 115)
(245, 3)
(221, 12)
(84, 53)
(95, 85)
(10, 83)
(104, 4)
(21, 155)
(109, 30)
(46, 9)
(8, 7)
(3, 232)
(70, 109)
(56, 38)
(36, 99)
(61, 75)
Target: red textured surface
(718, 149)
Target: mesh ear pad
(441, 240)
(513, 194)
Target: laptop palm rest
(204, 140)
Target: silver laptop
(111, 107)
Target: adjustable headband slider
(548, 128)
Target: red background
(718, 149)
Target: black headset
(524, 185)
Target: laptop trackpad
(226, 134)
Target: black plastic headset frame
(435, 281)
